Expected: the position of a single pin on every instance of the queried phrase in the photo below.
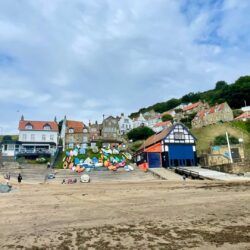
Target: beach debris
(85, 178)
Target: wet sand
(126, 215)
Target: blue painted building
(174, 146)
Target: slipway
(203, 173)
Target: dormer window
(71, 130)
(28, 126)
(46, 127)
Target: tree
(7, 138)
(167, 117)
(222, 140)
(220, 85)
(141, 133)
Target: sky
(86, 58)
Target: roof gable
(168, 135)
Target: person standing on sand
(7, 177)
(19, 178)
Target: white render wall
(38, 136)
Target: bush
(141, 133)
(222, 140)
(167, 117)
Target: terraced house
(110, 129)
(74, 133)
(218, 113)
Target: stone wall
(235, 168)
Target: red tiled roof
(76, 125)
(156, 138)
(244, 115)
(162, 124)
(37, 125)
(191, 106)
(216, 108)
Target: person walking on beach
(19, 178)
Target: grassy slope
(207, 134)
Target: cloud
(88, 58)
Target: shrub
(222, 140)
(140, 133)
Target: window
(179, 136)
(85, 130)
(47, 127)
(11, 147)
(52, 137)
(28, 126)
(43, 137)
(24, 137)
(71, 130)
(32, 137)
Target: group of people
(7, 177)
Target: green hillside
(235, 94)
(207, 134)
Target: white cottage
(139, 121)
(38, 137)
(125, 124)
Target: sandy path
(149, 215)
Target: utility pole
(229, 148)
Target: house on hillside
(73, 133)
(174, 146)
(244, 116)
(171, 112)
(139, 121)
(110, 129)
(218, 113)
(37, 137)
(151, 121)
(125, 124)
(195, 107)
(158, 127)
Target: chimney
(55, 120)
(22, 118)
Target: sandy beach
(126, 215)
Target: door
(181, 155)
(154, 160)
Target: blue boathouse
(172, 147)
